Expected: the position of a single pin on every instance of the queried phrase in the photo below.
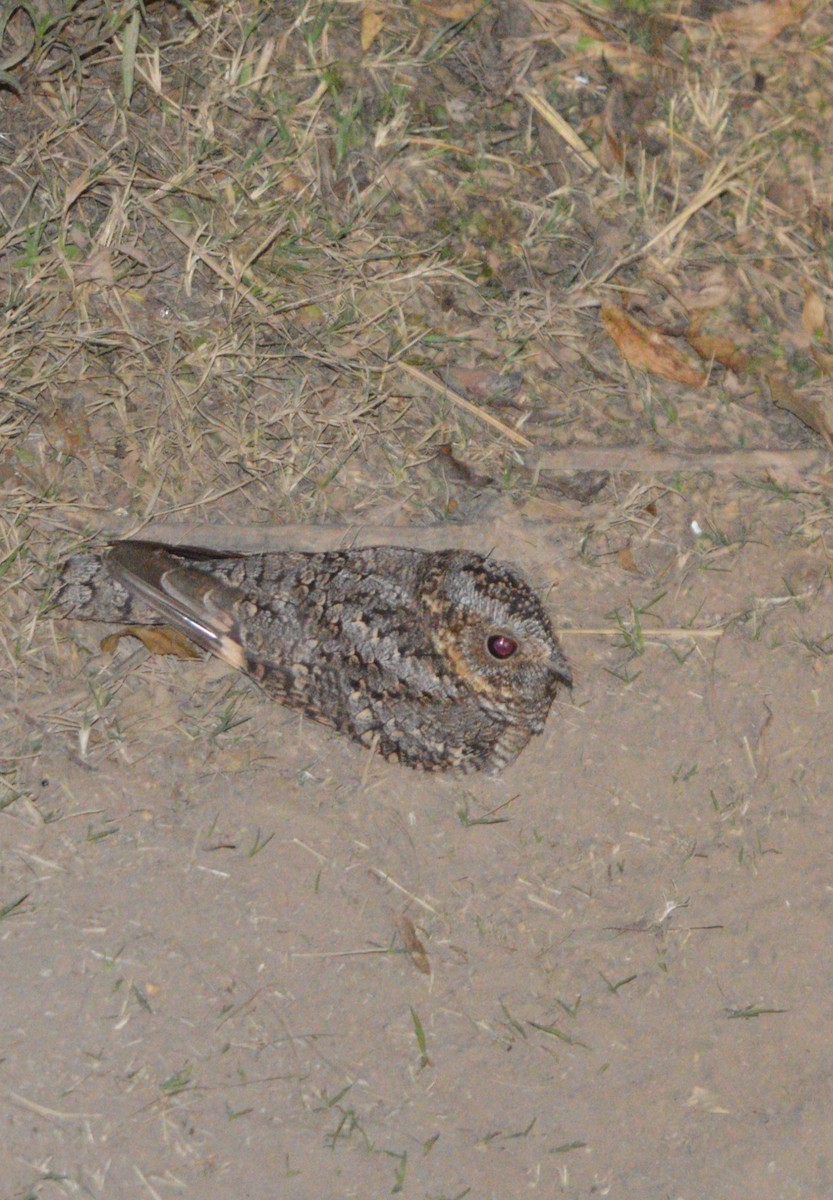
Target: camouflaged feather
(388, 645)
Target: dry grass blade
(455, 398)
(130, 43)
(563, 128)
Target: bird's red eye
(501, 646)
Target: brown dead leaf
(419, 956)
(812, 405)
(723, 350)
(753, 26)
(373, 20)
(158, 639)
(647, 349)
(67, 428)
(461, 471)
(627, 561)
(813, 315)
(461, 11)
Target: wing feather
(196, 603)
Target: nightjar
(444, 660)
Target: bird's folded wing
(193, 601)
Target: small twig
(49, 1113)
(339, 953)
(462, 402)
(563, 128)
(383, 877)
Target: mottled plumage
(444, 660)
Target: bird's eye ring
(501, 646)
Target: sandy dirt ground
(214, 984)
(547, 280)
